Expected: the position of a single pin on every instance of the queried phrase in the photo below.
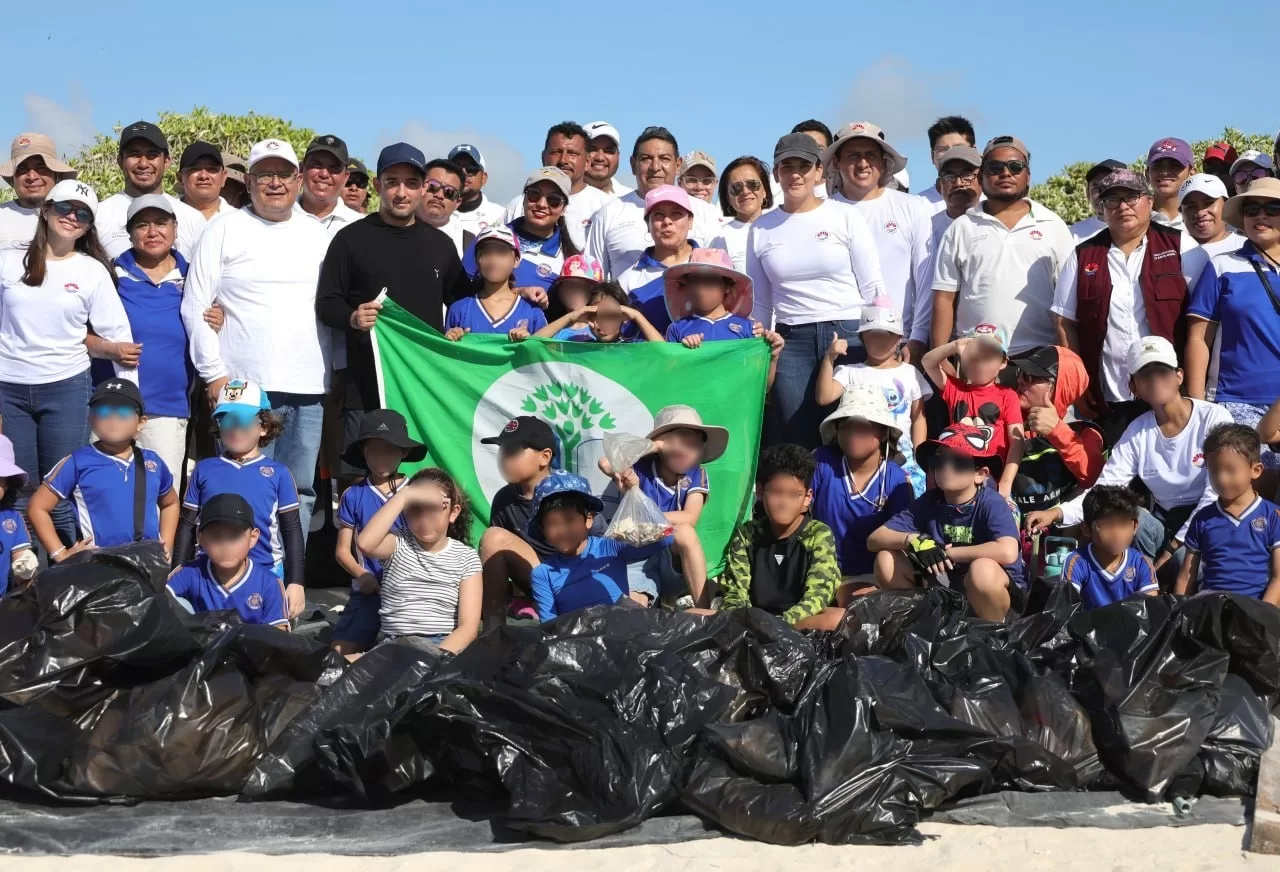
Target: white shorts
(168, 438)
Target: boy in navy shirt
(586, 570)
(495, 307)
(1233, 545)
(382, 445)
(223, 576)
(961, 528)
(1109, 569)
(102, 479)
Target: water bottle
(1056, 559)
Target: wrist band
(55, 554)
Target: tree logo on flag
(571, 411)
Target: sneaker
(522, 609)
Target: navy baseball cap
(467, 150)
(401, 153)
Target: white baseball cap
(603, 128)
(880, 316)
(74, 191)
(1149, 350)
(272, 148)
(1203, 183)
(1252, 156)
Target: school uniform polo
(360, 503)
(1235, 553)
(1098, 587)
(618, 234)
(644, 283)
(13, 537)
(670, 498)
(102, 489)
(854, 514)
(255, 594)
(540, 259)
(469, 313)
(266, 485)
(722, 328)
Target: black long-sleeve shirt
(420, 269)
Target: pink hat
(9, 469)
(500, 232)
(579, 266)
(667, 194)
(739, 299)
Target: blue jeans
(1150, 538)
(298, 447)
(793, 388)
(657, 577)
(46, 423)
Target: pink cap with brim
(667, 194)
(738, 300)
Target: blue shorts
(1250, 416)
(657, 577)
(359, 623)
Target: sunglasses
(996, 167)
(555, 201)
(449, 192)
(104, 411)
(1254, 209)
(1249, 175)
(357, 182)
(470, 170)
(71, 210)
(736, 189)
(952, 461)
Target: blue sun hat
(561, 482)
(240, 401)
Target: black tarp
(587, 727)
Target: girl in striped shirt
(431, 584)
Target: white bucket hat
(687, 418)
(861, 403)
(895, 161)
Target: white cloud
(505, 164)
(70, 124)
(897, 96)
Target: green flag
(453, 394)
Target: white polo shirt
(17, 225)
(1126, 317)
(1082, 230)
(932, 198)
(1004, 277)
(618, 234)
(617, 189)
(922, 323)
(1175, 223)
(340, 217)
(113, 211)
(477, 219)
(582, 207)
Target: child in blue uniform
(607, 316)
(223, 576)
(102, 479)
(856, 488)
(383, 444)
(1109, 569)
(571, 292)
(243, 423)
(17, 560)
(1233, 545)
(496, 307)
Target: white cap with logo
(603, 128)
(1203, 183)
(73, 191)
(1149, 350)
(272, 148)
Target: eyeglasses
(449, 192)
(269, 178)
(554, 200)
(996, 167)
(953, 461)
(1249, 175)
(1252, 209)
(1025, 379)
(71, 210)
(953, 178)
(1113, 202)
(104, 411)
(736, 189)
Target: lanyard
(1266, 284)
(851, 485)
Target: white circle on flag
(580, 404)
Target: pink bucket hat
(739, 299)
(8, 468)
(667, 194)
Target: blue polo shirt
(598, 576)
(985, 518)
(854, 515)
(644, 284)
(13, 537)
(1230, 294)
(1098, 587)
(360, 503)
(469, 314)
(575, 334)
(1235, 553)
(726, 327)
(256, 594)
(265, 484)
(101, 488)
(165, 371)
(540, 259)
(670, 499)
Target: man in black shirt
(390, 251)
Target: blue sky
(1090, 83)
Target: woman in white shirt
(745, 195)
(51, 296)
(814, 265)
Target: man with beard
(32, 170)
(604, 149)
(143, 157)
(202, 178)
(1202, 199)
(566, 149)
(959, 186)
(441, 194)
(474, 210)
(1169, 165)
(1083, 229)
(999, 264)
(618, 234)
(356, 192)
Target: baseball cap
(398, 153)
(500, 232)
(1170, 149)
(554, 175)
(1102, 168)
(1203, 183)
(524, 432)
(148, 201)
(467, 150)
(1126, 180)
(227, 508)
(241, 401)
(74, 191)
(272, 148)
(1040, 362)
(603, 128)
(235, 166)
(1223, 151)
(355, 166)
(119, 391)
(197, 150)
(389, 426)
(699, 159)
(1149, 350)
(147, 131)
(329, 143)
(880, 316)
(991, 335)
(964, 153)
(669, 194)
(799, 145)
(27, 145)
(1007, 142)
(1252, 156)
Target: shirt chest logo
(1259, 524)
(254, 601)
(544, 271)
(777, 558)
(735, 328)
(822, 235)
(1037, 235)
(151, 466)
(1091, 269)
(1130, 574)
(71, 287)
(1198, 460)
(9, 525)
(891, 226)
(267, 472)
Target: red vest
(1164, 293)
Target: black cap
(1039, 362)
(330, 143)
(356, 166)
(1103, 168)
(118, 390)
(144, 130)
(228, 508)
(524, 432)
(197, 150)
(389, 426)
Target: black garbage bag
(1241, 733)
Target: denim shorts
(360, 623)
(657, 577)
(1250, 415)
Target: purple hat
(1123, 179)
(9, 469)
(1172, 149)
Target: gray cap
(799, 145)
(148, 201)
(964, 153)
